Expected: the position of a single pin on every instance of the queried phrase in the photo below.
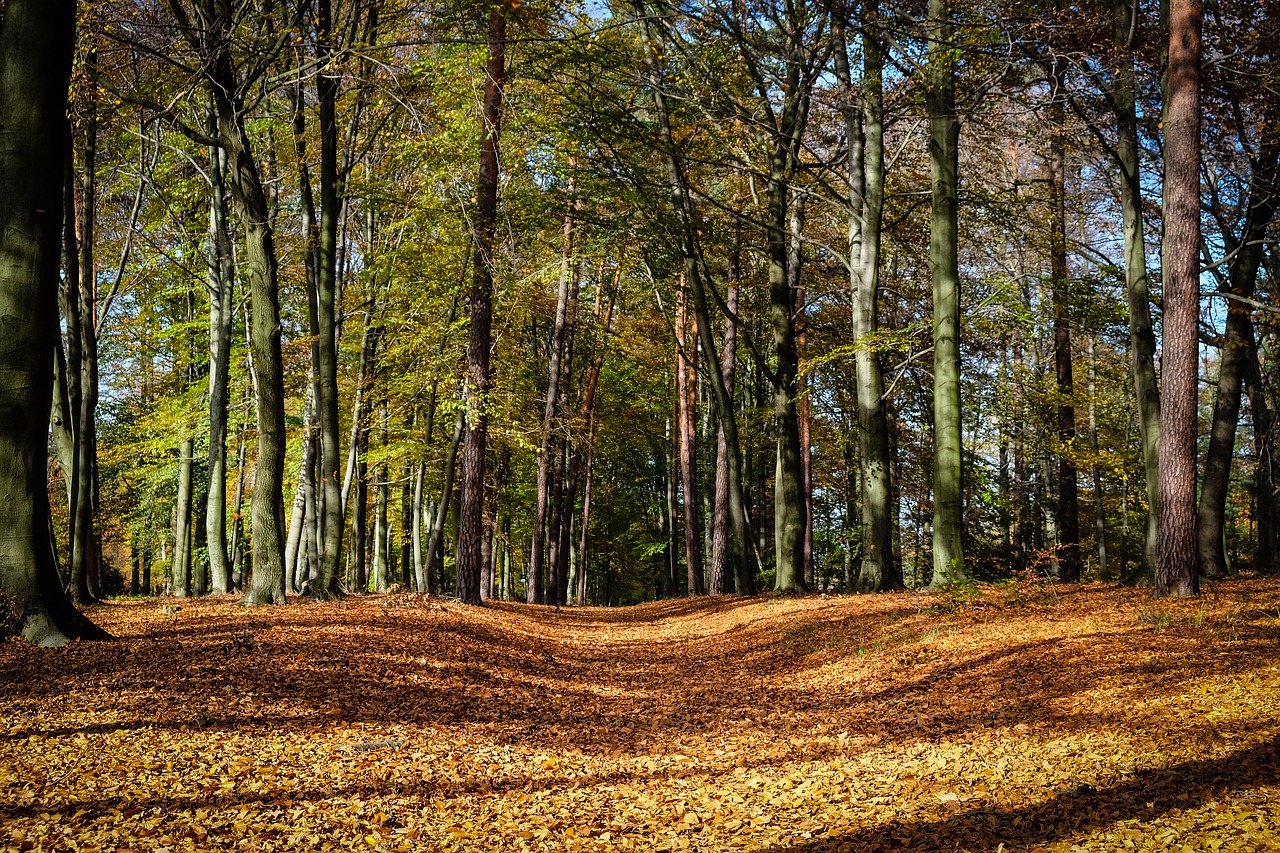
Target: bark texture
(36, 38)
(1176, 564)
(944, 136)
(473, 458)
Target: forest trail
(1028, 716)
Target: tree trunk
(557, 563)
(1142, 339)
(237, 524)
(382, 500)
(671, 521)
(686, 353)
(422, 575)
(1237, 347)
(221, 279)
(580, 594)
(720, 525)
(408, 558)
(1095, 470)
(73, 375)
(944, 134)
(471, 522)
(1264, 479)
(85, 556)
(1176, 563)
(795, 262)
(1068, 508)
(331, 203)
(260, 272)
(866, 197)
(180, 568)
(537, 565)
(360, 523)
(435, 545)
(35, 67)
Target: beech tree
(944, 134)
(36, 40)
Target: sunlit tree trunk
(221, 279)
(180, 568)
(1176, 564)
(331, 202)
(795, 268)
(686, 353)
(877, 570)
(382, 532)
(1095, 470)
(435, 544)
(471, 522)
(236, 544)
(259, 270)
(720, 522)
(944, 134)
(1142, 339)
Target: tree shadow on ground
(388, 665)
(1069, 815)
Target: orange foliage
(1060, 719)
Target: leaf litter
(1007, 719)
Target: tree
(471, 527)
(1176, 567)
(36, 39)
(944, 135)
(866, 214)
(1068, 508)
(1243, 195)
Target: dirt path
(1028, 717)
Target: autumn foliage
(1019, 717)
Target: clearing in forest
(1068, 718)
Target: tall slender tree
(1176, 568)
(471, 523)
(944, 136)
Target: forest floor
(1021, 717)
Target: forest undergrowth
(1020, 717)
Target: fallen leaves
(1095, 720)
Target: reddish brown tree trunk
(471, 523)
(1176, 548)
(686, 337)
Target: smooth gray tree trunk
(1142, 339)
(221, 281)
(180, 568)
(877, 570)
(944, 135)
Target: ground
(1022, 717)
